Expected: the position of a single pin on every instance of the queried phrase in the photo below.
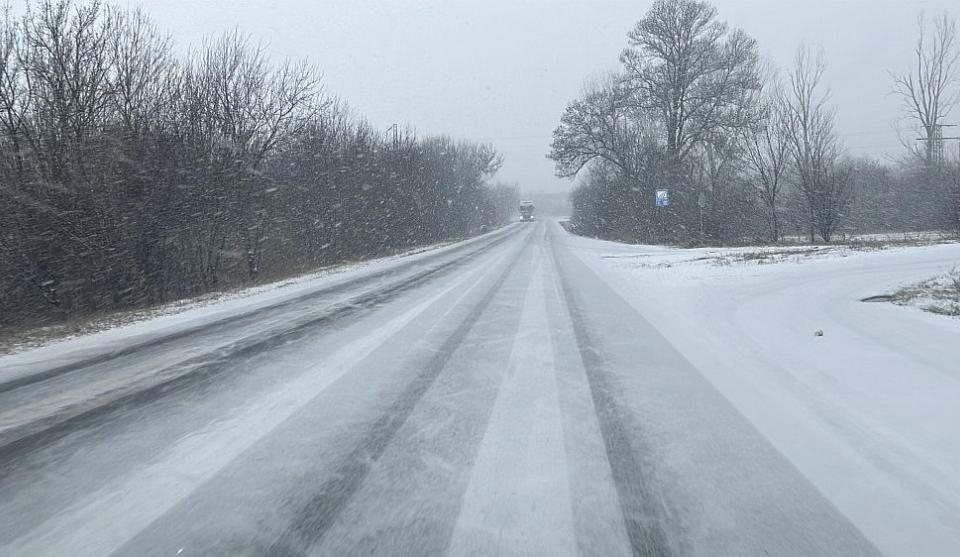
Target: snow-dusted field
(869, 411)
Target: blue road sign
(663, 198)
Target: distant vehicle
(526, 211)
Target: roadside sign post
(662, 200)
(701, 203)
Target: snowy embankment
(128, 329)
(868, 411)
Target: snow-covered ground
(869, 411)
(901, 237)
(151, 350)
(193, 310)
(137, 327)
(530, 392)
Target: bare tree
(253, 104)
(141, 63)
(767, 149)
(814, 147)
(929, 90)
(602, 125)
(65, 52)
(14, 97)
(701, 77)
(250, 106)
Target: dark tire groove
(637, 498)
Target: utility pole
(938, 140)
(396, 138)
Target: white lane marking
(101, 523)
(518, 499)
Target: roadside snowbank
(136, 327)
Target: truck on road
(526, 211)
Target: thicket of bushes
(883, 198)
(131, 176)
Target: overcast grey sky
(503, 70)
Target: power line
(935, 147)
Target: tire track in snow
(639, 503)
(518, 499)
(19, 435)
(101, 523)
(319, 513)
(704, 475)
(598, 519)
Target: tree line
(748, 153)
(131, 175)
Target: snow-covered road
(524, 393)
